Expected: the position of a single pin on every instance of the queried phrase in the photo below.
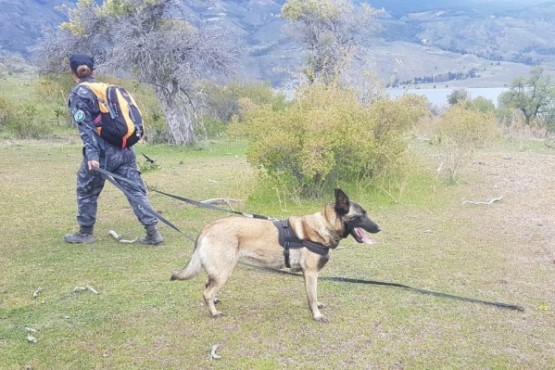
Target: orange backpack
(120, 121)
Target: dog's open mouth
(361, 236)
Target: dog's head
(354, 218)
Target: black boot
(152, 236)
(84, 236)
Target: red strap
(97, 120)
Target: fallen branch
(119, 237)
(213, 354)
(79, 289)
(36, 293)
(90, 288)
(219, 201)
(489, 202)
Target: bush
(224, 102)
(24, 123)
(213, 128)
(463, 128)
(325, 137)
(23, 113)
(482, 104)
(457, 96)
(5, 112)
(53, 91)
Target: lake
(438, 97)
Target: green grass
(141, 320)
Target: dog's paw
(217, 314)
(321, 305)
(321, 318)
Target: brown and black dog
(221, 244)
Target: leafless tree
(141, 39)
(331, 32)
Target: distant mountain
(21, 22)
(460, 42)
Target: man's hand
(93, 165)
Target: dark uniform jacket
(84, 109)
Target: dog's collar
(288, 240)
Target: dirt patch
(524, 219)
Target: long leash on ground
(111, 177)
(395, 285)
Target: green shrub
(156, 130)
(5, 112)
(463, 128)
(482, 104)
(213, 128)
(325, 137)
(23, 113)
(52, 91)
(24, 123)
(224, 102)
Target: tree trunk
(180, 118)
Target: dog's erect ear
(342, 203)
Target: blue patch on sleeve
(79, 116)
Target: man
(98, 153)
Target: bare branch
(488, 202)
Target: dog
(221, 244)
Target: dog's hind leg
(212, 287)
(217, 277)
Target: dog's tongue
(363, 236)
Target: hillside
(22, 21)
(467, 43)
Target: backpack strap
(99, 91)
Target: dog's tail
(194, 266)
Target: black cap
(76, 60)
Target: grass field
(140, 320)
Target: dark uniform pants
(120, 162)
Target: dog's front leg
(311, 286)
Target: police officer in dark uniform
(98, 153)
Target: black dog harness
(288, 240)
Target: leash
(207, 205)
(111, 177)
(395, 285)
